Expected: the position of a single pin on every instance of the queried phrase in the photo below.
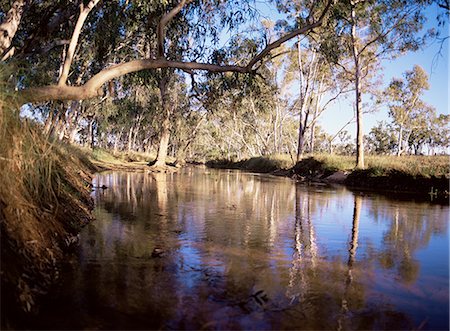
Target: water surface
(214, 249)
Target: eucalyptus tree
(406, 108)
(177, 36)
(318, 83)
(381, 139)
(439, 134)
(364, 32)
(319, 86)
(241, 113)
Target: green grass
(268, 163)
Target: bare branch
(92, 88)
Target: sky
(433, 59)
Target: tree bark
(165, 127)
(130, 138)
(400, 138)
(10, 25)
(302, 102)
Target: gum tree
(176, 39)
(405, 106)
(366, 32)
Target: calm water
(209, 249)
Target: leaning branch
(93, 87)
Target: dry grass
(44, 201)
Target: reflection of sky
(190, 264)
(242, 229)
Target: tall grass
(44, 200)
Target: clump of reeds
(44, 201)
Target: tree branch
(289, 36)
(93, 87)
(162, 24)
(84, 12)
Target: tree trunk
(358, 105)
(300, 138)
(130, 138)
(359, 130)
(400, 138)
(302, 102)
(312, 137)
(90, 139)
(165, 128)
(181, 153)
(135, 134)
(73, 121)
(49, 122)
(117, 140)
(10, 24)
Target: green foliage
(381, 139)
(409, 113)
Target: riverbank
(45, 200)
(426, 177)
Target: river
(218, 249)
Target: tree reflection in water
(244, 251)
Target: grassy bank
(108, 160)
(413, 174)
(126, 161)
(44, 202)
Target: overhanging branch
(93, 87)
